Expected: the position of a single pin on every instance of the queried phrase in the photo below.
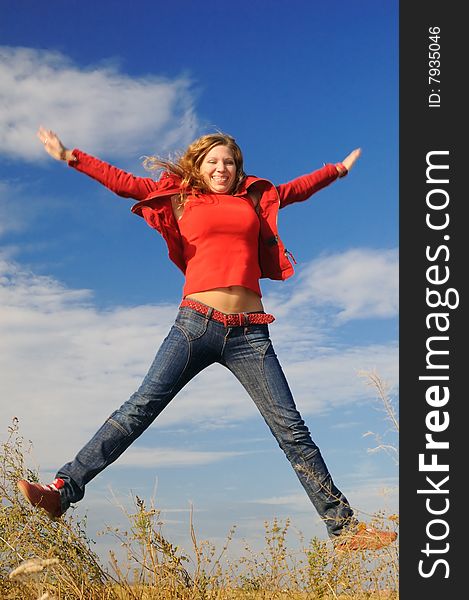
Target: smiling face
(218, 169)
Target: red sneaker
(365, 537)
(46, 497)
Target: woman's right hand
(53, 146)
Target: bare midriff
(233, 299)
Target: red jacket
(154, 205)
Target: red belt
(231, 319)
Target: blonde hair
(187, 165)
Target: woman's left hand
(352, 158)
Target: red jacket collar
(247, 182)
(170, 184)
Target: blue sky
(88, 293)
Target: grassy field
(41, 559)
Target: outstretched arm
(303, 187)
(118, 181)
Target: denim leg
(250, 356)
(175, 364)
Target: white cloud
(97, 107)
(326, 382)
(357, 284)
(142, 457)
(299, 501)
(364, 496)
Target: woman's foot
(364, 537)
(42, 496)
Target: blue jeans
(193, 343)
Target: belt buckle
(243, 319)
(235, 320)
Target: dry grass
(41, 559)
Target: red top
(155, 206)
(220, 235)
